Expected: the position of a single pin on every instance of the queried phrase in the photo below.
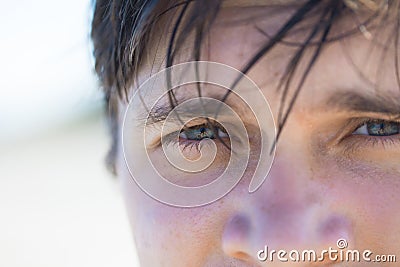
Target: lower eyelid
(363, 143)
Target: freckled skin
(315, 193)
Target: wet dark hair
(122, 31)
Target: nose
(291, 211)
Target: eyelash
(186, 143)
(352, 142)
(358, 141)
(377, 121)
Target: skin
(324, 184)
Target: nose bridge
(288, 199)
(289, 211)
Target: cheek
(179, 177)
(370, 197)
(163, 233)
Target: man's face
(336, 172)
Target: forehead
(241, 28)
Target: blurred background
(58, 204)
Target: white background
(58, 204)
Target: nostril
(335, 227)
(236, 238)
(242, 256)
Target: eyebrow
(160, 112)
(344, 101)
(351, 101)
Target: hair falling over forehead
(122, 31)
(373, 5)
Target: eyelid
(357, 144)
(355, 123)
(155, 132)
(170, 134)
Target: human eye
(194, 132)
(372, 140)
(373, 135)
(200, 132)
(198, 147)
(378, 128)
